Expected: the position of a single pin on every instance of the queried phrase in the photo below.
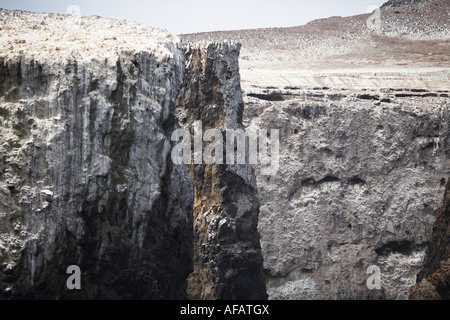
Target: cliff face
(85, 173)
(227, 255)
(362, 107)
(434, 279)
(358, 185)
(87, 110)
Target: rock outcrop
(358, 185)
(87, 111)
(228, 262)
(434, 280)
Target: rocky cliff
(362, 105)
(358, 185)
(88, 107)
(85, 128)
(87, 110)
(228, 263)
(434, 279)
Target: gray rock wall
(359, 184)
(85, 171)
(87, 178)
(87, 108)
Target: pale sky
(189, 16)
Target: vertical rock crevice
(227, 257)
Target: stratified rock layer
(227, 256)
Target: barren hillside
(403, 45)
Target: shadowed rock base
(434, 280)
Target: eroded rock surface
(85, 147)
(86, 114)
(227, 255)
(358, 185)
(87, 111)
(362, 105)
(434, 279)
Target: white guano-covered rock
(86, 112)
